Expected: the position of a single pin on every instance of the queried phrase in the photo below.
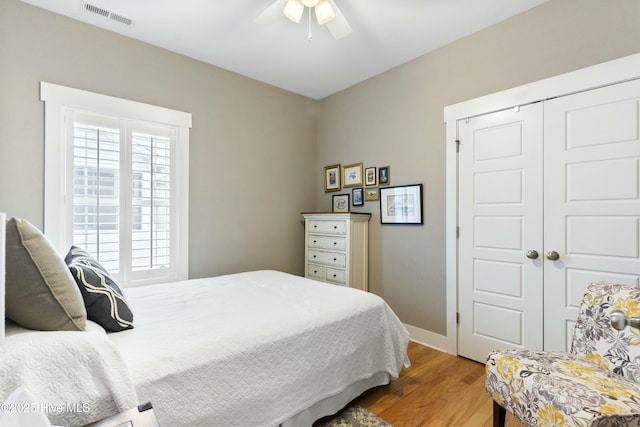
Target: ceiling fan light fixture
(310, 3)
(293, 10)
(324, 12)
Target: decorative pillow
(40, 292)
(103, 299)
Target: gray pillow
(103, 298)
(40, 291)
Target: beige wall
(252, 152)
(257, 152)
(396, 119)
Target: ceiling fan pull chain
(310, 36)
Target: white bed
(260, 348)
(256, 348)
(75, 377)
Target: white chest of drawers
(337, 248)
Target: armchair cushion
(559, 389)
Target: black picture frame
(357, 196)
(401, 204)
(341, 203)
(371, 176)
(384, 175)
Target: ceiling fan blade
(271, 12)
(338, 26)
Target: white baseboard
(430, 339)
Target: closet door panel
(591, 199)
(500, 219)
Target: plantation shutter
(151, 201)
(96, 188)
(123, 195)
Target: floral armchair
(596, 384)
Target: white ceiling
(386, 33)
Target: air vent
(108, 14)
(95, 9)
(121, 19)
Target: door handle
(532, 254)
(552, 256)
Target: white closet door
(592, 199)
(500, 218)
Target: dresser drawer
(336, 259)
(336, 276)
(325, 242)
(316, 271)
(328, 227)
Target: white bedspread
(254, 349)
(76, 377)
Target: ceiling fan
(327, 13)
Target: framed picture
(370, 176)
(401, 204)
(340, 203)
(352, 175)
(371, 194)
(383, 175)
(357, 196)
(332, 178)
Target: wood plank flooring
(437, 390)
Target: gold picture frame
(332, 178)
(371, 194)
(352, 175)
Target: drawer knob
(314, 256)
(335, 243)
(335, 227)
(315, 241)
(315, 226)
(335, 275)
(315, 271)
(335, 259)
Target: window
(116, 183)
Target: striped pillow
(103, 298)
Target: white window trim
(56, 199)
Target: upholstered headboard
(3, 250)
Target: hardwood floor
(437, 390)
